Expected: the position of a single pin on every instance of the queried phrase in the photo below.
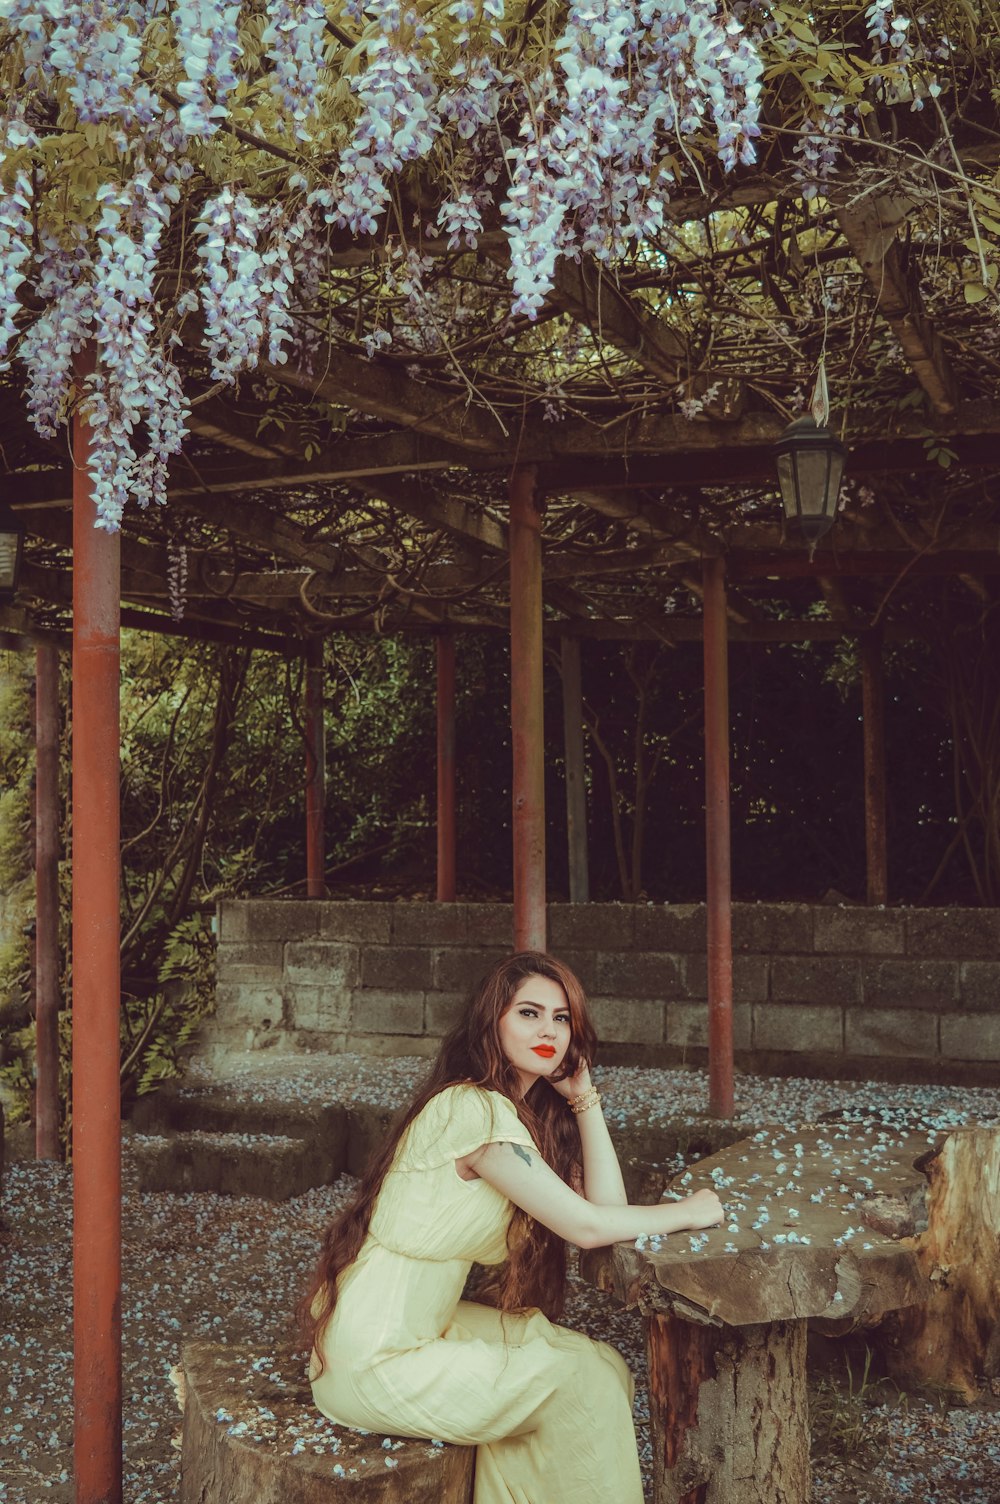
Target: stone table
(822, 1223)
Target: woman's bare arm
(522, 1175)
(602, 1175)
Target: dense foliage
(212, 801)
(171, 174)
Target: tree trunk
(728, 1412)
(955, 1337)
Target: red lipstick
(548, 1050)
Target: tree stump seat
(252, 1435)
(841, 1224)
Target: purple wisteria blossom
(397, 122)
(208, 45)
(294, 39)
(16, 228)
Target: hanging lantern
(810, 466)
(11, 548)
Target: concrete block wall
(840, 991)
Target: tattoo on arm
(522, 1153)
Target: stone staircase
(217, 1138)
(232, 1140)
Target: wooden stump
(728, 1412)
(223, 1461)
(954, 1337)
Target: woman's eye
(563, 1018)
(529, 1013)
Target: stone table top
(821, 1223)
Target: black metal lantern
(11, 548)
(810, 466)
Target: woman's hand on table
(703, 1209)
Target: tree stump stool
(954, 1338)
(252, 1435)
(819, 1224)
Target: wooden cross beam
(385, 391)
(870, 229)
(589, 292)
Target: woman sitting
(502, 1158)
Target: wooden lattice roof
(370, 491)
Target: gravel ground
(633, 1096)
(231, 1269)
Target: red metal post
(315, 774)
(47, 901)
(720, 933)
(96, 988)
(446, 768)
(526, 711)
(576, 787)
(873, 711)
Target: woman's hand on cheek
(575, 1085)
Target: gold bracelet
(588, 1099)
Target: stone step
(343, 1135)
(272, 1166)
(252, 1436)
(348, 1131)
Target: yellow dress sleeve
(456, 1121)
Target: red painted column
(526, 717)
(47, 901)
(576, 787)
(446, 768)
(315, 774)
(717, 848)
(96, 988)
(873, 712)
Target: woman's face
(535, 1029)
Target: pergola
(425, 461)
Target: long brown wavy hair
(534, 1273)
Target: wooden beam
(590, 293)
(384, 390)
(206, 631)
(400, 452)
(218, 420)
(870, 228)
(677, 629)
(437, 509)
(659, 451)
(263, 528)
(876, 561)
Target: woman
(502, 1159)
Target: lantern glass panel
(813, 480)
(786, 480)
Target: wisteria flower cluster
(208, 43)
(49, 345)
(295, 39)
(247, 253)
(135, 393)
(177, 576)
(582, 178)
(15, 230)
(818, 149)
(576, 126)
(397, 122)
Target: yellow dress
(549, 1410)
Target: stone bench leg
(728, 1411)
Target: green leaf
(975, 292)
